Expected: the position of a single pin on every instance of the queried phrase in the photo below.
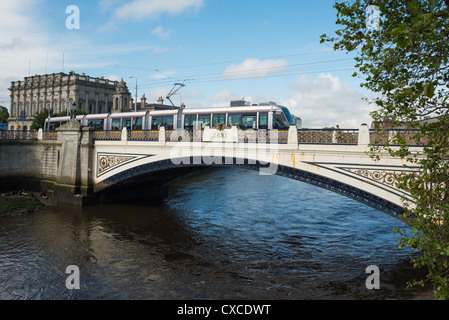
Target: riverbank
(21, 202)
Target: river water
(220, 234)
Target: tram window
(249, 121)
(168, 122)
(137, 123)
(280, 121)
(243, 121)
(53, 126)
(126, 122)
(156, 123)
(204, 119)
(218, 118)
(235, 119)
(263, 120)
(189, 120)
(97, 124)
(165, 121)
(116, 124)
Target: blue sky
(221, 50)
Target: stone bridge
(96, 166)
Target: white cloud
(161, 32)
(142, 9)
(113, 77)
(154, 95)
(194, 98)
(254, 68)
(106, 4)
(326, 101)
(21, 39)
(223, 98)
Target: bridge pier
(75, 157)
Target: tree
(404, 60)
(39, 118)
(4, 115)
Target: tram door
(179, 122)
(270, 120)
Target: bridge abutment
(58, 167)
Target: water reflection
(221, 234)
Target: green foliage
(4, 115)
(18, 204)
(39, 119)
(405, 62)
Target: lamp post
(135, 102)
(72, 112)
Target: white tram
(269, 117)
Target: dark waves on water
(221, 234)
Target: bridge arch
(171, 168)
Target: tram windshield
(280, 121)
(288, 116)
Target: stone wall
(28, 159)
(27, 165)
(62, 165)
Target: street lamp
(135, 102)
(72, 112)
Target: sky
(257, 50)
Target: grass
(18, 205)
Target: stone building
(59, 91)
(144, 106)
(122, 99)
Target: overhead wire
(331, 65)
(236, 73)
(225, 62)
(252, 74)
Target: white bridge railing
(362, 136)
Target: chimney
(143, 101)
(160, 100)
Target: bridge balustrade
(17, 135)
(263, 136)
(328, 136)
(50, 135)
(107, 135)
(305, 136)
(143, 135)
(389, 136)
(184, 136)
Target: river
(220, 234)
